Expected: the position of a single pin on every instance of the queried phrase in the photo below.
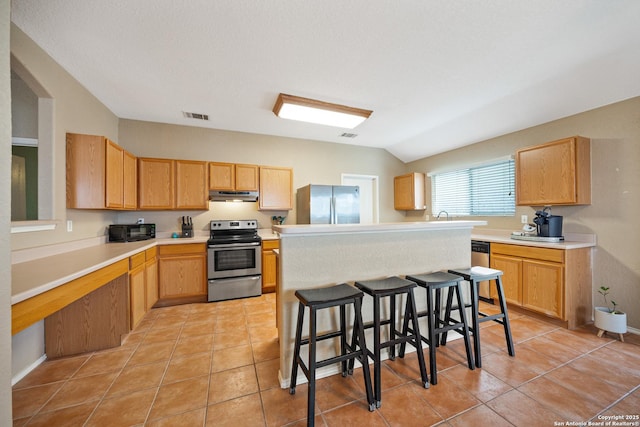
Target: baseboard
(20, 375)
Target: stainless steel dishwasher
(480, 257)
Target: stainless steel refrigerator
(328, 204)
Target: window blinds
(487, 190)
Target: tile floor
(217, 364)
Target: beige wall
(614, 131)
(313, 162)
(75, 110)
(5, 218)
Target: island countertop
(309, 229)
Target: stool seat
(477, 273)
(338, 294)
(433, 283)
(392, 287)
(435, 278)
(387, 286)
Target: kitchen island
(313, 256)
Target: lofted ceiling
(437, 74)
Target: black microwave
(131, 232)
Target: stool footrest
(325, 336)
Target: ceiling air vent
(196, 116)
(349, 135)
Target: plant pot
(612, 322)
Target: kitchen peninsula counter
(323, 255)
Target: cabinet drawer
(180, 249)
(267, 245)
(543, 254)
(151, 253)
(136, 260)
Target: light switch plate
(69, 225)
(524, 219)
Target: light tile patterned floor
(217, 364)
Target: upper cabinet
(172, 184)
(191, 185)
(556, 173)
(276, 188)
(408, 192)
(155, 183)
(99, 174)
(130, 181)
(233, 177)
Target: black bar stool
(474, 276)
(433, 283)
(392, 287)
(317, 299)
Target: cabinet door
(130, 181)
(114, 176)
(554, 173)
(85, 171)
(542, 287)
(269, 266)
(182, 276)
(191, 184)
(155, 183)
(222, 176)
(246, 177)
(408, 191)
(151, 280)
(276, 188)
(137, 295)
(511, 279)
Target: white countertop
(316, 229)
(571, 240)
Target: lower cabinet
(137, 289)
(182, 273)
(552, 282)
(269, 265)
(151, 277)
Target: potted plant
(608, 318)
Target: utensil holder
(187, 230)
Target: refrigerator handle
(333, 210)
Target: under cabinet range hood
(233, 196)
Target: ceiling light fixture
(319, 112)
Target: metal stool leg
(359, 325)
(505, 319)
(465, 327)
(296, 350)
(476, 322)
(376, 351)
(311, 401)
(418, 339)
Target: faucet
(445, 212)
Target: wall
(75, 110)
(312, 162)
(5, 218)
(614, 131)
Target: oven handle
(234, 245)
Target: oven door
(234, 260)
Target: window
(485, 190)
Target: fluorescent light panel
(319, 112)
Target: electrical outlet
(69, 225)
(140, 220)
(524, 219)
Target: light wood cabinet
(137, 289)
(155, 183)
(552, 282)
(276, 188)
(98, 174)
(233, 177)
(182, 272)
(191, 185)
(151, 277)
(269, 265)
(556, 173)
(130, 181)
(408, 192)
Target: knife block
(187, 230)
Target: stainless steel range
(234, 266)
